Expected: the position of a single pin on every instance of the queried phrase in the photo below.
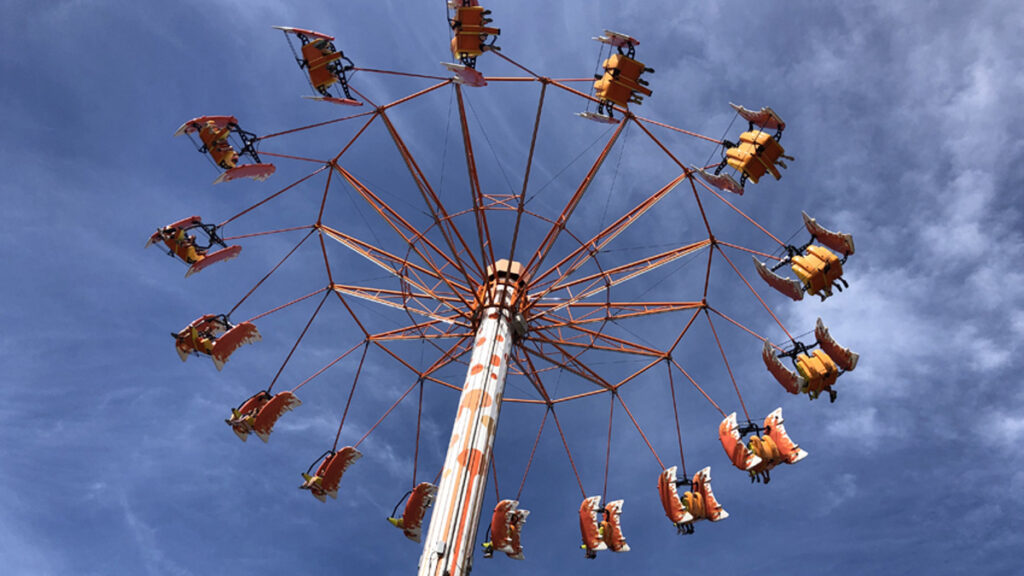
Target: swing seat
(713, 511)
(787, 286)
(818, 370)
(267, 416)
(411, 522)
(790, 380)
(723, 182)
(789, 451)
(333, 100)
(328, 475)
(740, 456)
(817, 269)
(613, 533)
(670, 500)
(843, 357)
(593, 540)
(506, 528)
(258, 172)
(842, 243)
(204, 261)
(603, 119)
(766, 118)
(466, 75)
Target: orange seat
(819, 371)
(411, 522)
(318, 54)
(216, 141)
(590, 530)
(328, 475)
(620, 83)
(818, 269)
(739, 454)
(756, 154)
(506, 528)
(182, 244)
(613, 528)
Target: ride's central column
(449, 546)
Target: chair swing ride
(485, 300)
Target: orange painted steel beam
(521, 201)
(409, 233)
(756, 295)
(482, 231)
(650, 311)
(590, 248)
(440, 215)
(537, 259)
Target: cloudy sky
(114, 458)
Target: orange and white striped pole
(449, 546)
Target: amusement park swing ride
(505, 293)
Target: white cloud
(838, 493)
(147, 543)
(861, 429)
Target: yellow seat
(818, 269)
(819, 370)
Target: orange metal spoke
(533, 451)
(571, 364)
(637, 374)
(394, 73)
(290, 157)
(266, 233)
(521, 202)
(739, 325)
(437, 209)
(684, 331)
(334, 161)
(742, 249)
(592, 247)
(283, 306)
(621, 348)
(686, 171)
(442, 327)
(418, 94)
(272, 270)
(516, 64)
(641, 349)
(737, 210)
(638, 429)
(537, 259)
(756, 295)
(581, 395)
(393, 264)
(645, 310)
(728, 368)
(272, 196)
(600, 282)
(483, 232)
(327, 366)
(410, 235)
(399, 300)
(317, 125)
(297, 342)
(567, 452)
(680, 130)
(697, 386)
(531, 373)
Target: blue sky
(113, 455)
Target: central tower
(449, 546)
